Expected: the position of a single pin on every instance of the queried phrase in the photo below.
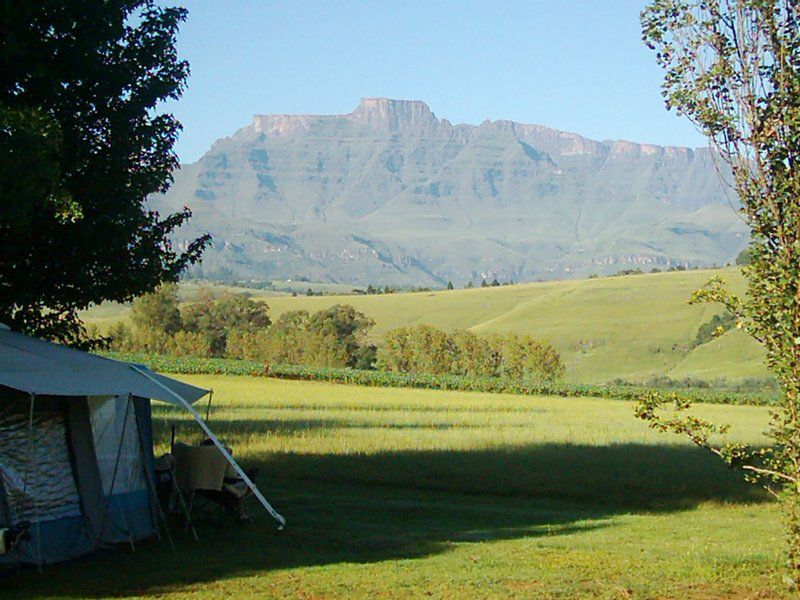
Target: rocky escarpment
(390, 193)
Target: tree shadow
(409, 504)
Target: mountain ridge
(392, 194)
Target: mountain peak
(396, 115)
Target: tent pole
(239, 471)
(208, 408)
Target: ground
(414, 493)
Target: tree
(158, 312)
(81, 148)
(216, 318)
(338, 336)
(743, 258)
(733, 68)
(449, 285)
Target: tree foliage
(426, 349)
(235, 326)
(733, 68)
(215, 318)
(334, 337)
(81, 148)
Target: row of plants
(223, 366)
(419, 349)
(233, 326)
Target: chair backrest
(199, 467)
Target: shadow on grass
(400, 505)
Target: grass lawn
(396, 493)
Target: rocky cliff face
(392, 194)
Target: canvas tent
(76, 448)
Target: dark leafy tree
(81, 148)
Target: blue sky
(576, 65)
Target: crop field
(633, 327)
(393, 492)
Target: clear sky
(574, 65)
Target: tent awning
(43, 368)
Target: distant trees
(216, 318)
(235, 326)
(743, 259)
(426, 349)
(161, 325)
(719, 324)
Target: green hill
(632, 327)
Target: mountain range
(390, 194)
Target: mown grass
(417, 493)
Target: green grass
(633, 327)
(418, 493)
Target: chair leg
(187, 509)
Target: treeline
(719, 324)
(426, 349)
(234, 326)
(237, 327)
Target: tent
(76, 449)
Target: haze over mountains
(391, 194)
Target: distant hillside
(633, 327)
(391, 194)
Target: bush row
(431, 351)
(221, 366)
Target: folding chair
(208, 482)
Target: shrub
(425, 349)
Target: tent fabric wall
(87, 475)
(38, 479)
(121, 460)
(5, 521)
(61, 490)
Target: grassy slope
(412, 493)
(632, 327)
